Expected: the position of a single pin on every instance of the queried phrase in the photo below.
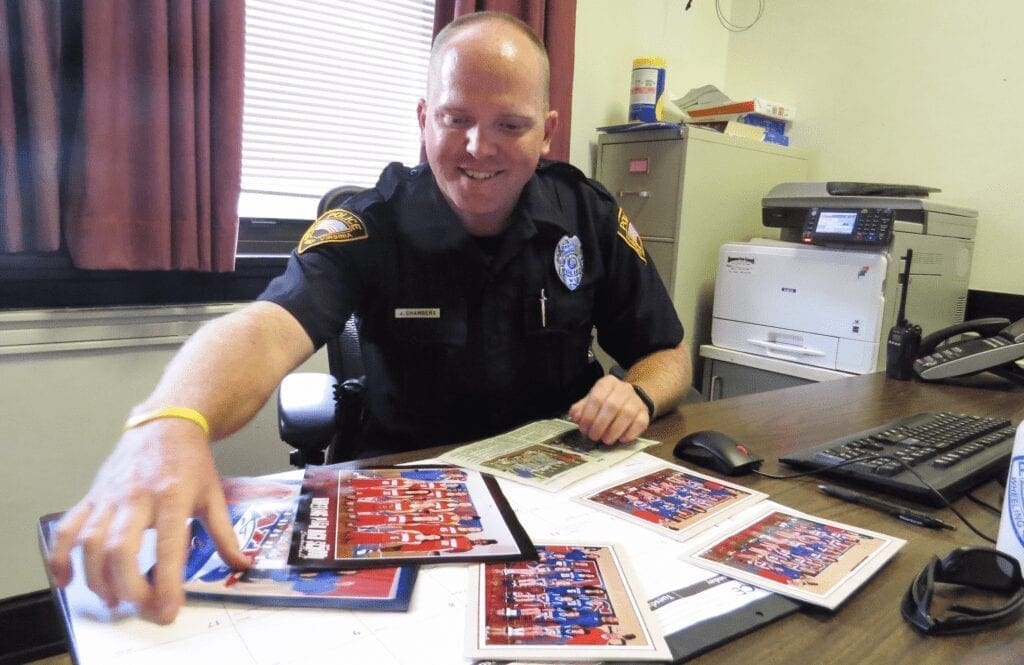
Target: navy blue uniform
(457, 344)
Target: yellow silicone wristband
(169, 412)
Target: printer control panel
(848, 226)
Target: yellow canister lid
(652, 61)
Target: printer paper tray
(795, 346)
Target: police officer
(466, 336)
(479, 278)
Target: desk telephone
(997, 347)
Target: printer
(827, 291)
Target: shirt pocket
(559, 334)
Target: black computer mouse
(718, 451)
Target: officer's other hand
(611, 412)
(159, 474)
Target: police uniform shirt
(462, 340)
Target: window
(330, 97)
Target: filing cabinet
(687, 191)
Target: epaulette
(393, 174)
(571, 173)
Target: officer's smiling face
(485, 122)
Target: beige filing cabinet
(687, 191)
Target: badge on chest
(569, 262)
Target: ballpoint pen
(900, 512)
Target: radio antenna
(901, 317)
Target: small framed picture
(574, 602)
(801, 556)
(674, 501)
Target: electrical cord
(868, 458)
(984, 504)
(732, 27)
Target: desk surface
(868, 627)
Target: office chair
(316, 412)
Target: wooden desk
(868, 628)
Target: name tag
(418, 313)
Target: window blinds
(330, 97)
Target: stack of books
(754, 118)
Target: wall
(611, 33)
(915, 91)
(61, 409)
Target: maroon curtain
(29, 127)
(157, 152)
(555, 22)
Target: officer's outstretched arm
(161, 471)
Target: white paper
(684, 595)
(1011, 523)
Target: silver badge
(569, 261)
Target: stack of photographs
(263, 514)
(349, 538)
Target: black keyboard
(952, 452)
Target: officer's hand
(611, 412)
(159, 475)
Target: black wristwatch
(620, 374)
(646, 399)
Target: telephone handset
(997, 348)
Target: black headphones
(979, 568)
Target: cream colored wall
(914, 91)
(60, 415)
(611, 33)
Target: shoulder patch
(630, 236)
(334, 226)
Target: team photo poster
(361, 518)
(674, 501)
(263, 514)
(574, 602)
(800, 556)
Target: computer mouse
(717, 451)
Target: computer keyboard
(952, 452)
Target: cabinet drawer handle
(644, 194)
(716, 382)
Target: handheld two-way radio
(904, 337)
